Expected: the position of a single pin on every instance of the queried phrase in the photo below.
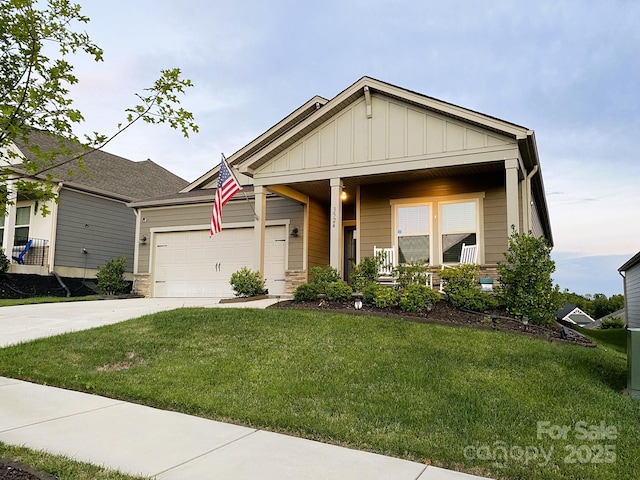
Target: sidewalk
(165, 445)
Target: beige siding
(318, 234)
(376, 210)
(395, 131)
(236, 211)
(495, 225)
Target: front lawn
(479, 401)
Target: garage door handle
(160, 281)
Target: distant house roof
(105, 173)
(633, 261)
(572, 314)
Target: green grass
(614, 338)
(412, 390)
(61, 467)
(8, 302)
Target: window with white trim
(23, 220)
(435, 231)
(413, 233)
(458, 226)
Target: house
(375, 166)
(630, 272)
(570, 314)
(91, 221)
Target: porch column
(513, 201)
(335, 227)
(259, 228)
(10, 219)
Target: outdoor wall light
(294, 232)
(343, 195)
(143, 239)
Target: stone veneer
(142, 284)
(293, 279)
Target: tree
(526, 284)
(37, 39)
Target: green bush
(4, 263)
(339, 291)
(307, 292)
(247, 283)
(459, 279)
(526, 284)
(369, 293)
(385, 297)
(417, 298)
(611, 322)
(474, 300)
(365, 273)
(111, 279)
(412, 273)
(323, 276)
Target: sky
(569, 70)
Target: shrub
(307, 292)
(369, 293)
(339, 291)
(247, 283)
(323, 276)
(365, 273)
(413, 273)
(4, 263)
(474, 300)
(459, 279)
(385, 297)
(611, 322)
(111, 277)
(417, 298)
(526, 285)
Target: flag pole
(255, 215)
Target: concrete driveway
(27, 322)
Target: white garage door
(192, 264)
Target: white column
(259, 228)
(513, 207)
(335, 225)
(10, 219)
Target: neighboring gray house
(574, 315)
(90, 223)
(630, 271)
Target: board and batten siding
(395, 131)
(179, 217)
(632, 295)
(105, 228)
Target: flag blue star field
(227, 188)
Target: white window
(435, 231)
(413, 233)
(23, 220)
(458, 226)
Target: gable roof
(573, 314)
(105, 174)
(629, 264)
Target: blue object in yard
(23, 252)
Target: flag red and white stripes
(227, 188)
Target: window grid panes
(459, 227)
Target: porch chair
(20, 257)
(468, 256)
(385, 270)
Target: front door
(349, 251)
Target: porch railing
(36, 254)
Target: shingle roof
(106, 173)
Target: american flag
(227, 188)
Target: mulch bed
(26, 286)
(10, 470)
(444, 314)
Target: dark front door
(349, 251)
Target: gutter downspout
(528, 198)
(54, 231)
